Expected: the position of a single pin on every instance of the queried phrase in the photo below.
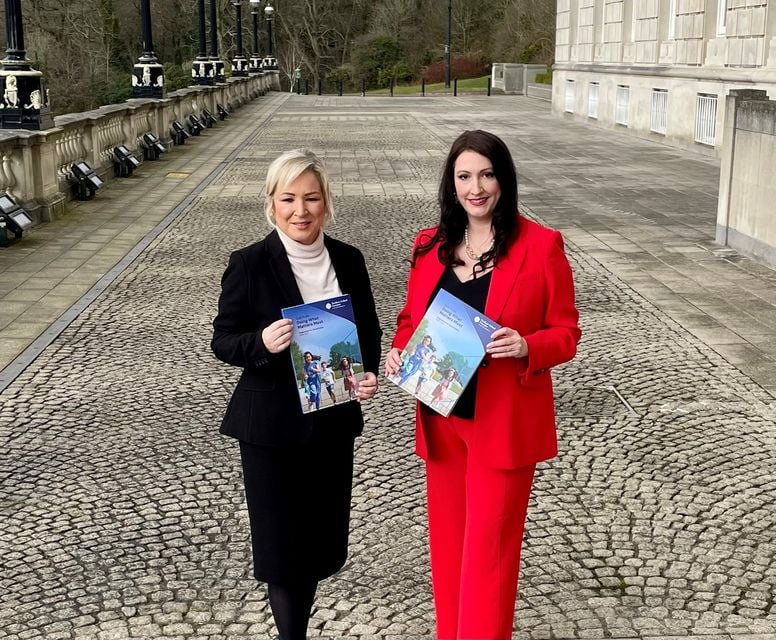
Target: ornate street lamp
(24, 100)
(270, 62)
(202, 72)
(147, 74)
(255, 66)
(239, 62)
(218, 64)
(449, 45)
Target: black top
(475, 294)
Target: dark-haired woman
(480, 460)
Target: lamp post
(147, 74)
(23, 96)
(239, 62)
(269, 62)
(202, 68)
(449, 45)
(218, 64)
(255, 65)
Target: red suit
(479, 471)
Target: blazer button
(484, 363)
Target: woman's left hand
(507, 343)
(367, 388)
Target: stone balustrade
(35, 166)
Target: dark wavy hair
(453, 219)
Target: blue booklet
(325, 352)
(444, 352)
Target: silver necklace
(469, 250)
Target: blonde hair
(286, 168)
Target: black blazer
(257, 284)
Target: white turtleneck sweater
(312, 268)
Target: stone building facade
(662, 68)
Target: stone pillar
(239, 62)
(202, 70)
(24, 99)
(218, 64)
(147, 74)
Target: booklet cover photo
(325, 352)
(444, 352)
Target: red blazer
(532, 291)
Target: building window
(722, 6)
(570, 96)
(592, 100)
(706, 119)
(658, 113)
(671, 19)
(622, 104)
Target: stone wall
(514, 78)
(747, 190)
(693, 49)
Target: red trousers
(476, 516)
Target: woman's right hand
(392, 362)
(277, 336)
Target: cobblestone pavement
(121, 507)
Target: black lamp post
(218, 64)
(23, 96)
(269, 62)
(239, 62)
(202, 68)
(449, 45)
(147, 74)
(255, 66)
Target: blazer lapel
(503, 280)
(281, 270)
(345, 272)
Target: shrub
(399, 72)
(117, 90)
(375, 58)
(343, 74)
(544, 78)
(176, 76)
(460, 67)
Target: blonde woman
(297, 468)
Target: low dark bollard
(306, 87)
(339, 88)
(390, 85)
(489, 83)
(320, 87)
(455, 87)
(423, 86)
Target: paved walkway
(122, 508)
